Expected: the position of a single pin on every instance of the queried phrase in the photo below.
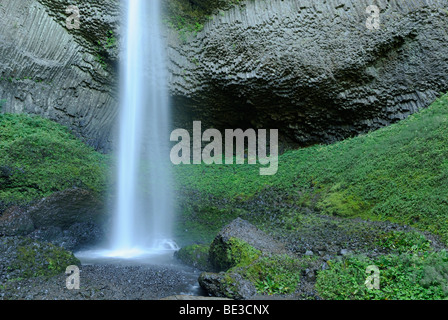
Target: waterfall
(143, 212)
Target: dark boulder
(22, 257)
(71, 219)
(227, 285)
(78, 236)
(66, 208)
(15, 221)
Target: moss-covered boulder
(251, 262)
(195, 255)
(267, 275)
(25, 258)
(240, 243)
(227, 285)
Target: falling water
(144, 201)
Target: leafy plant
(402, 277)
(404, 242)
(277, 274)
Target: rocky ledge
(72, 219)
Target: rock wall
(312, 68)
(52, 71)
(309, 68)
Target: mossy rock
(239, 244)
(26, 258)
(232, 253)
(227, 285)
(195, 255)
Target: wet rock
(22, 257)
(72, 218)
(195, 255)
(310, 275)
(66, 208)
(228, 285)
(74, 238)
(15, 221)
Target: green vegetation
(39, 157)
(421, 276)
(36, 259)
(235, 253)
(101, 51)
(188, 17)
(270, 274)
(278, 274)
(404, 242)
(398, 173)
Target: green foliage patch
(404, 242)
(402, 277)
(188, 17)
(277, 274)
(39, 157)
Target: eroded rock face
(312, 68)
(66, 208)
(49, 70)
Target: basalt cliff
(312, 69)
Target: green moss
(343, 204)
(189, 17)
(42, 259)
(39, 157)
(402, 277)
(195, 255)
(240, 253)
(233, 253)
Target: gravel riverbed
(109, 282)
